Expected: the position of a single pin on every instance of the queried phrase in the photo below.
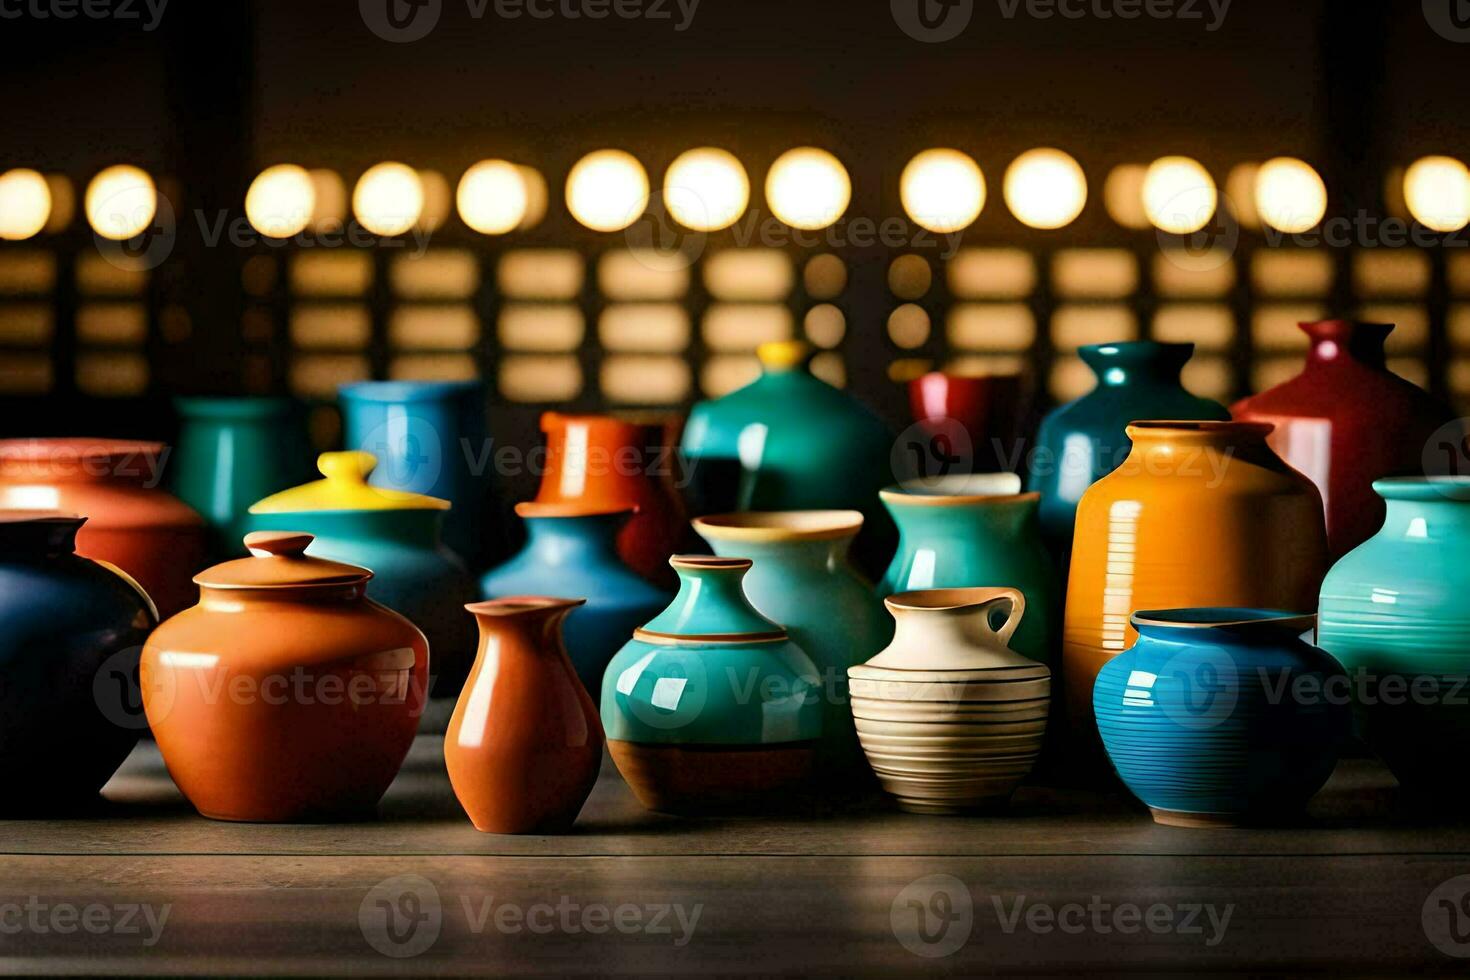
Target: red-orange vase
(114, 484)
(524, 745)
(600, 463)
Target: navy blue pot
(575, 556)
(71, 631)
(1222, 716)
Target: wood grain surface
(1067, 881)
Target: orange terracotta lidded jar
(1198, 514)
(116, 485)
(286, 694)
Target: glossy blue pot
(576, 556)
(1222, 716)
(429, 437)
(71, 631)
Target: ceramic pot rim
(1197, 617)
(967, 374)
(572, 508)
(1198, 427)
(233, 407)
(39, 516)
(519, 605)
(404, 391)
(1423, 488)
(946, 600)
(919, 493)
(709, 561)
(780, 525)
(710, 639)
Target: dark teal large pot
(1084, 440)
(575, 555)
(429, 437)
(232, 452)
(71, 631)
(1221, 716)
(974, 531)
(1396, 612)
(790, 441)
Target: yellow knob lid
(345, 488)
(783, 355)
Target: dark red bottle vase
(1347, 420)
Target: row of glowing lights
(707, 189)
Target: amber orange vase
(286, 694)
(1198, 514)
(524, 745)
(115, 484)
(598, 463)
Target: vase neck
(536, 621)
(1124, 364)
(38, 534)
(592, 536)
(1343, 341)
(711, 601)
(953, 629)
(1427, 519)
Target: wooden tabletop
(1068, 880)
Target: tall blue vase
(575, 556)
(429, 437)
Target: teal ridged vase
(802, 579)
(1395, 611)
(972, 531)
(711, 706)
(1084, 440)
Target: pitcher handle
(1017, 599)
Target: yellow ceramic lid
(783, 355)
(345, 488)
(279, 561)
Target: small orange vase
(115, 485)
(286, 694)
(1198, 514)
(524, 745)
(599, 463)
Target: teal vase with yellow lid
(711, 705)
(396, 534)
(790, 441)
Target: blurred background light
(1240, 193)
(121, 202)
(942, 190)
(438, 201)
(808, 188)
(1045, 188)
(607, 190)
(1437, 192)
(280, 200)
(25, 204)
(1179, 195)
(1290, 195)
(1123, 195)
(706, 189)
(329, 200)
(492, 197)
(388, 198)
(536, 196)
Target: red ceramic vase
(988, 408)
(524, 746)
(1345, 421)
(599, 463)
(115, 485)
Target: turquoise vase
(1396, 612)
(976, 531)
(429, 437)
(711, 704)
(790, 441)
(1084, 440)
(71, 630)
(575, 555)
(1221, 716)
(232, 452)
(802, 579)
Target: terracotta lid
(279, 561)
(345, 488)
